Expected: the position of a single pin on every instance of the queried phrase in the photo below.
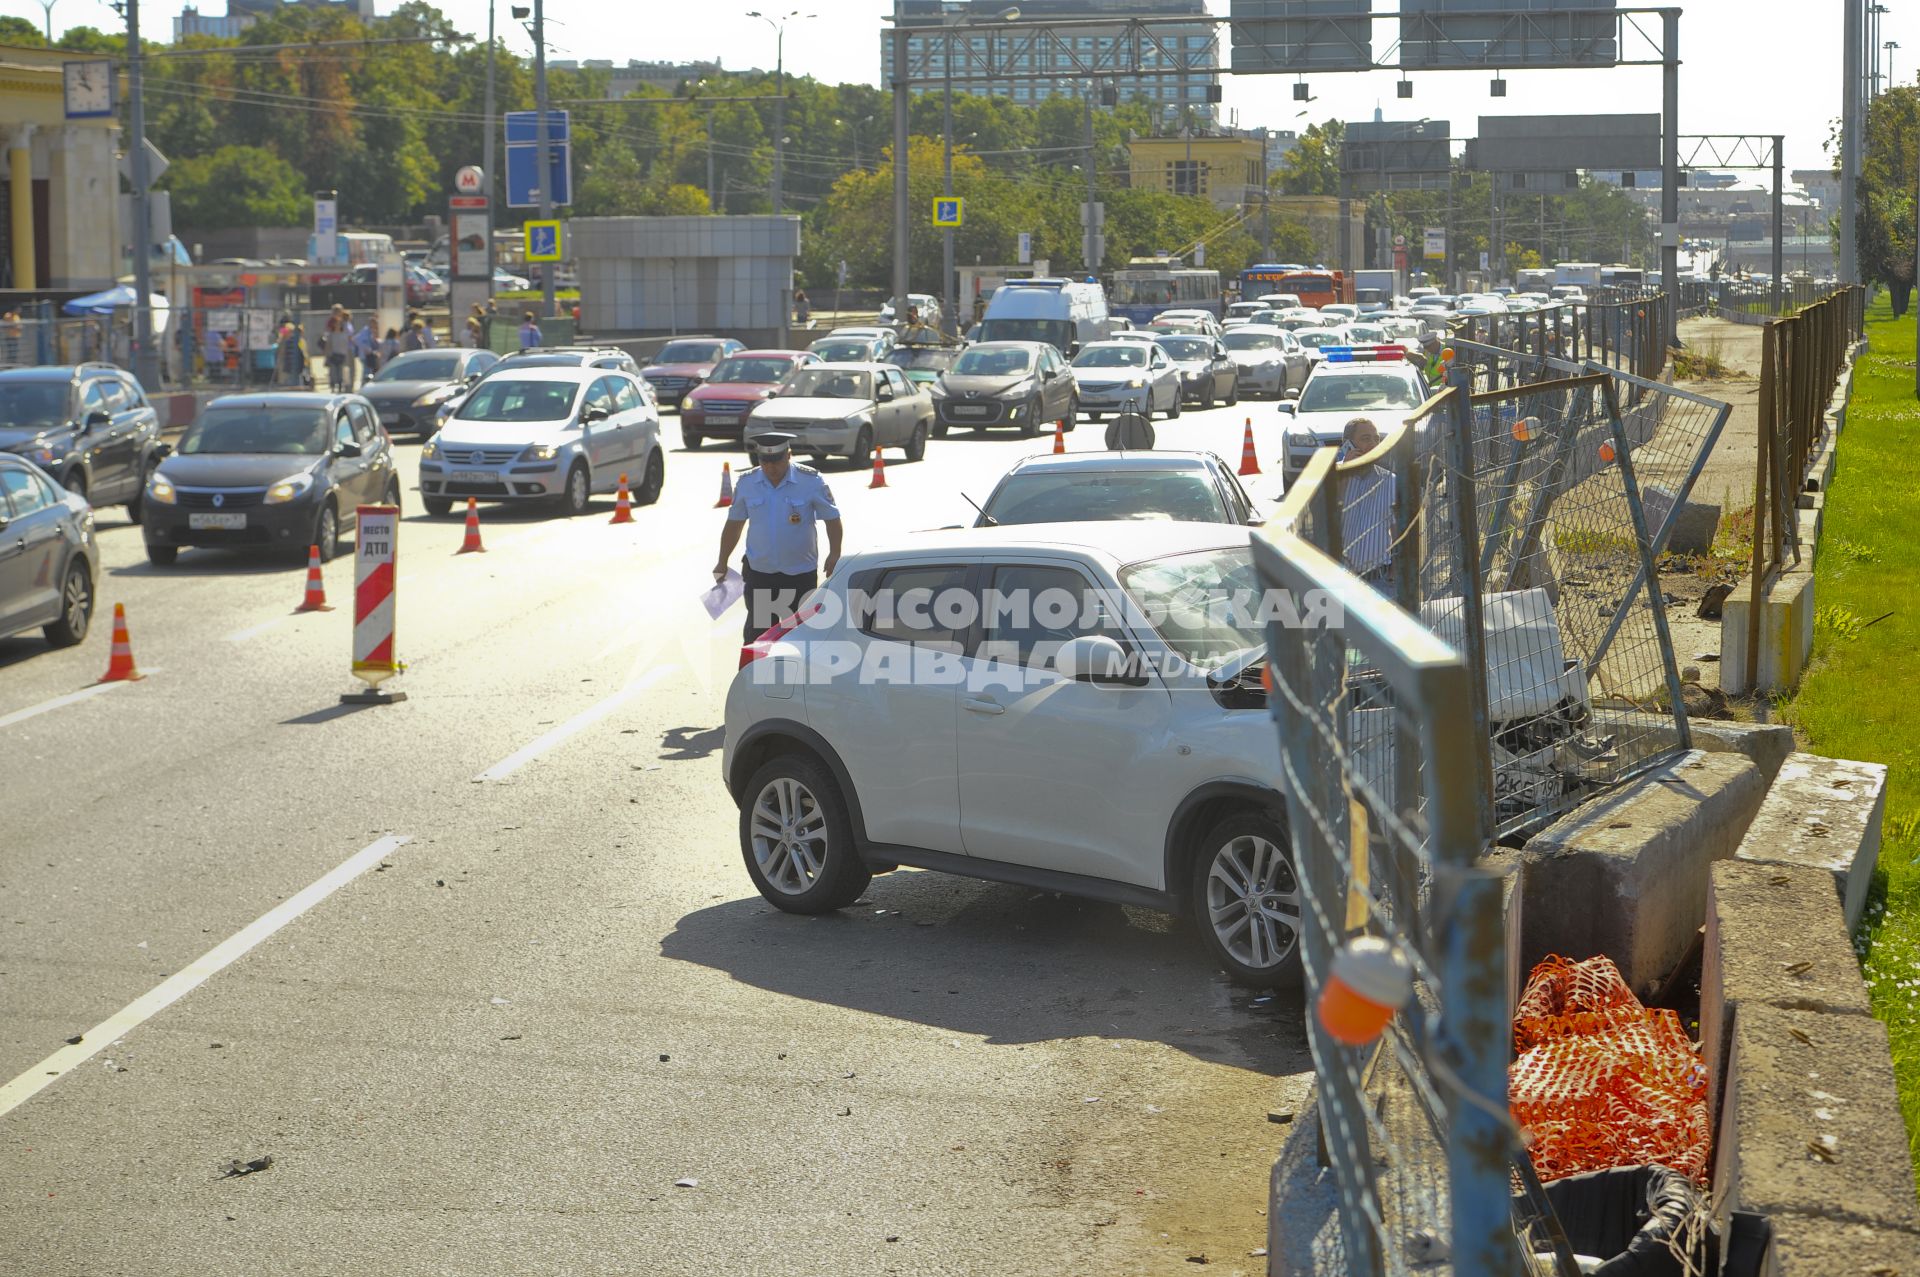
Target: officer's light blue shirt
(780, 520)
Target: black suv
(88, 425)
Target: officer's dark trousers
(772, 597)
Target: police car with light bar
(1377, 382)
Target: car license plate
(473, 476)
(230, 522)
(970, 410)
(723, 419)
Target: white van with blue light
(1062, 312)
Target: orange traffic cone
(623, 505)
(1249, 463)
(726, 487)
(1059, 437)
(879, 471)
(120, 664)
(472, 544)
(316, 598)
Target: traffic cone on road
(623, 505)
(1059, 437)
(879, 471)
(120, 663)
(472, 544)
(316, 597)
(726, 487)
(1249, 463)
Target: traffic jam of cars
(1070, 631)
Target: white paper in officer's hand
(724, 594)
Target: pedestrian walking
(477, 328)
(290, 357)
(413, 339)
(390, 347)
(777, 507)
(366, 350)
(337, 345)
(529, 331)
(802, 307)
(1366, 508)
(230, 351)
(11, 335)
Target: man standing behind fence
(1366, 509)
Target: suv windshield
(1352, 394)
(32, 405)
(761, 371)
(1318, 337)
(1203, 605)
(1183, 496)
(297, 431)
(504, 399)
(688, 352)
(1006, 362)
(1057, 333)
(935, 358)
(1131, 355)
(844, 350)
(831, 383)
(1241, 339)
(1187, 347)
(421, 366)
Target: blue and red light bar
(1362, 354)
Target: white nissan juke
(1070, 707)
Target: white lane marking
(177, 986)
(579, 722)
(33, 711)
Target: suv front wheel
(1246, 900)
(797, 839)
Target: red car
(719, 406)
(684, 363)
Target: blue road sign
(523, 146)
(949, 210)
(543, 241)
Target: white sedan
(1031, 667)
(1126, 375)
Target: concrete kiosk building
(659, 275)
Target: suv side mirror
(882, 394)
(592, 415)
(96, 419)
(346, 450)
(1097, 659)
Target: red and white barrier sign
(376, 555)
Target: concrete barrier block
(1809, 1246)
(1825, 813)
(1786, 633)
(1775, 937)
(1810, 1123)
(1766, 744)
(1625, 874)
(1693, 528)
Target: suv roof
(59, 372)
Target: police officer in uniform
(776, 506)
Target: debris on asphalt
(845, 1112)
(1198, 1259)
(894, 1238)
(1279, 1117)
(235, 1168)
(510, 1037)
(686, 1183)
(501, 1002)
(76, 1039)
(1257, 1252)
(215, 1046)
(664, 1058)
(1155, 1108)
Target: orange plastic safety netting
(1601, 1081)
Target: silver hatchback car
(49, 559)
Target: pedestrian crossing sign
(949, 210)
(543, 241)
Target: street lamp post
(1890, 46)
(948, 289)
(543, 153)
(486, 143)
(779, 26)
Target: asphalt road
(495, 1046)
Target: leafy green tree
(1312, 167)
(237, 186)
(21, 33)
(1884, 224)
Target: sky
(1762, 66)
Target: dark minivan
(87, 425)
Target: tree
(21, 33)
(1884, 224)
(1293, 241)
(237, 186)
(1312, 167)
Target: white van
(1063, 312)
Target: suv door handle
(983, 705)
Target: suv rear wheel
(797, 840)
(1246, 900)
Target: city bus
(1316, 288)
(1257, 281)
(1145, 286)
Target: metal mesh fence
(1384, 776)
